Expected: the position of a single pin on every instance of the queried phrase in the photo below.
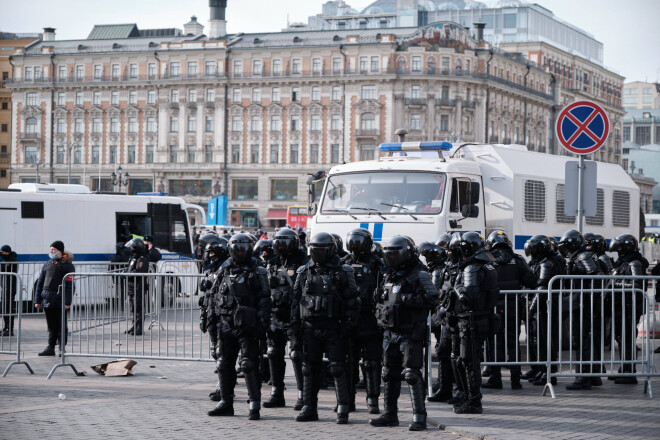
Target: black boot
(343, 393)
(297, 371)
(372, 384)
(495, 379)
(299, 401)
(541, 381)
(309, 412)
(391, 392)
(253, 384)
(223, 409)
(515, 378)
(581, 383)
(276, 399)
(277, 369)
(138, 329)
(531, 374)
(254, 410)
(226, 390)
(472, 405)
(445, 377)
(130, 330)
(417, 399)
(49, 351)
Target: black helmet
(262, 246)
(443, 242)
(119, 245)
(470, 243)
(429, 251)
(226, 237)
(454, 252)
(359, 241)
(554, 243)
(538, 246)
(136, 245)
(570, 242)
(302, 236)
(624, 244)
(595, 242)
(149, 238)
(285, 242)
(399, 252)
(220, 250)
(322, 248)
(496, 239)
(340, 242)
(240, 248)
(253, 237)
(209, 237)
(377, 249)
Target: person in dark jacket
(48, 294)
(513, 272)
(153, 254)
(8, 286)
(137, 285)
(629, 263)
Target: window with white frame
(444, 122)
(60, 99)
(416, 64)
(79, 99)
(151, 97)
(367, 152)
(316, 65)
(77, 155)
(336, 93)
(208, 125)
(192, 96)
(190, 154)
(295, 123)
(61, 73)
(175, 69)
(255, 123)
(335, 122)
(131, 154)
(336, 65)
(275, 123)
(98, 71)
(174, 154)
(314, 153)
(113, 154)
(61, 125)
(254, 153)
(256, 94)
(236, 96)
(132, 125)
(256, 67)
(315, 123)
(132, 97)
(31, 125)
(415, 92)
(375, 64)
(415, 121)
(208, 153)
(238, 68)
(114, 125)
(174, 124)
(235, 154)
(192, 69)
(133, 70)
(96, 125)
(30, 154)
(96, 154)
(174, 95)
(368, 122)
(28, 74)
(149, 154)
(274, 153)
(114, 71)
(151, 70)
(364, 64)
(80, 72)
(275, 95)
(236, 124)
(37, 72)
(114, 98)
(296, 66)
(210, 95)
(31, 98)
(293, 158)
(78, 125)
(151, 124)
(368, 92)
(277, 67)
(192, 123)
(316, 94)
(334, 153)
(295, 94)
(96, 98)
(209, 68)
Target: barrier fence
(587, 326)
(162, 310)
(10, 283)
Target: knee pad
(388, 375)
(222, 364)
(247, 365)
(295, 355)
(371, 365)
(411, 376)
(274, 353)
(336, 369)
(306, 369)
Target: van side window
(459, 194)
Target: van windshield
(385, 192)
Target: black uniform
(512, 273)
(475, 295)
(408, 295)
(242, 306)
(628, 303)
(587, 315)
(137, 286)
(366, 342)
(546, 264)
(8, 285)
(282, 275)
(324, 311)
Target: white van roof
(50, 188)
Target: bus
(91, 224)
(297, 216)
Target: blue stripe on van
(364, 226)
(378, 231)
(520, 240)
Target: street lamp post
(120, 178)
(69, 147)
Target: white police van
(34, 215)
(425, 189)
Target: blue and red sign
(582, 127)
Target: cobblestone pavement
(168, 399)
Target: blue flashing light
(412, 146)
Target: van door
(9, 226)
(463, 195)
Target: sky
(628, 29)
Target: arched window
(368, 122)
(401, 65)
(31, 126)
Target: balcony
(5, 157)
(469, 104)
(415, 101)
(30, 137)
(361, 133)
(493, 139)
(445, 102)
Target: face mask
(52, 255)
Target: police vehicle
(90, 225)
(424, 189)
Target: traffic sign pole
(580, 191)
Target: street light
(69, 147)
(38, 164)
(120, 178)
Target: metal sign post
(582, 128)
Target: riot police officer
(340, 246)
(263, 252)
(325, 308)
(200, 249)
(546, 263)
(596, 243)
(443, 271)
(582, 262)
(512, 273)
(242, 305)
(217, 254)
(137, 285)
(407, 297)
(366, 342)
(630, 262)
(282, 273)
(475, 295)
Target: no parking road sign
(582, 127)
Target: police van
(34, 215)
(426, 189)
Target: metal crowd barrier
(12, 314)
(169, 310)
(603, 314)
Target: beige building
(250, 115)
(641, 95)
(9, 43)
